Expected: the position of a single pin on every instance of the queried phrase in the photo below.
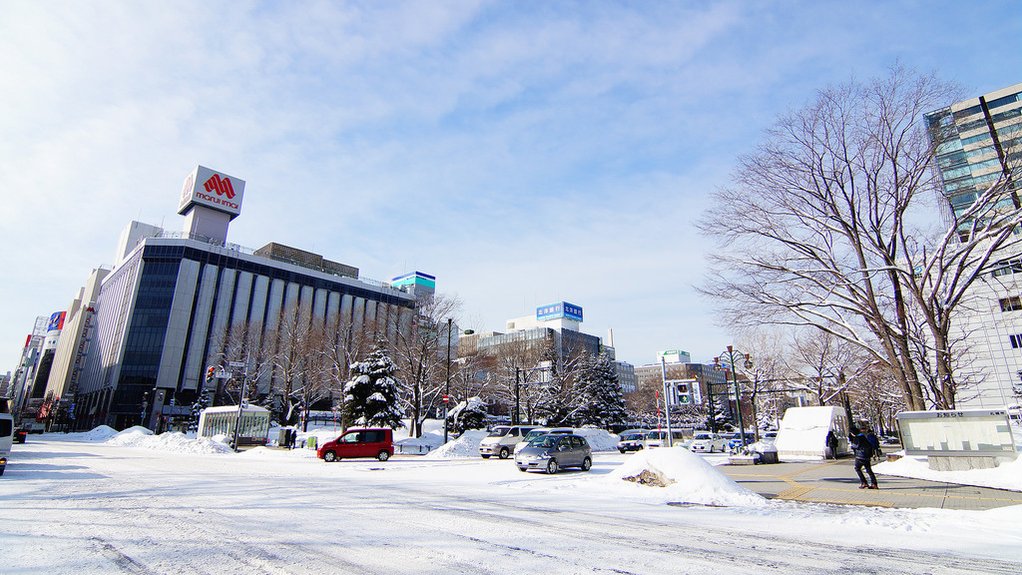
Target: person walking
(831, 445)
(863, 451)
(875, 442)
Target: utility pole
(667, 402)
(447, 387)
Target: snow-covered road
(87, 508)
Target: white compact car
(705, 442)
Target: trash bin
(768, 456)
(282, 438)
(311, 442)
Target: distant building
(978, 141)
(554, 327)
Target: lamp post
(241, 396)
(447, 386)
(730, 355)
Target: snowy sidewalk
(836, 482)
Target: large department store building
(147, 330)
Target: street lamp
(730, 355)
(447, 387)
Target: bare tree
(420, 352)
(343, 344)
(816, 228)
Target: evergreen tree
(598, 399)
(371, 395)
(469, 414)
(201, 402)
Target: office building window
(1013, 303)
(1016, 340)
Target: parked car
(551, 453)
(534, 433)
(502, 439)
(633, 441)
(707, 442)
(375, 442)
(21, 434)
(659, 438)
(735, 441)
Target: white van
(6, 439)
(502, 439)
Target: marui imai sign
(216, 190)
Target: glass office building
(978, 142)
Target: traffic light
(210, 374)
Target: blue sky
(522, 152)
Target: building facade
(978, 142)
(164, 313)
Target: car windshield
(702, 436)
(533, 434)
(499, 431)
(544, 441)
(632, 437)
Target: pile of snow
(1005, 476)
(466, 446)
(803, 432)
(686, 478)
(599, 439)
(97, 434)
(174, 442)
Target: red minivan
(375, 442)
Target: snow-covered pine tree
(371, 395)
(598, 399)
(201, 402)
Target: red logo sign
(222, 186)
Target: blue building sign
(559, 310)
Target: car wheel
(621, 450)
(587, 464)
(523, 469)
(503, 453)
(551, 467)
(486, 457)
(329, 457)
(383, 456)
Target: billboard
(56, 321)
(956, 432)
(559, 310)
(216, 190)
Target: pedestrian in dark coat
(831, 445)
(863, 451)
(875, 442)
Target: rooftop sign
(212, 189)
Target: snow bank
(599, 439)
(689, 478)
(174, 442)
(1005, 476)
(97, 434)
(466, 446)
